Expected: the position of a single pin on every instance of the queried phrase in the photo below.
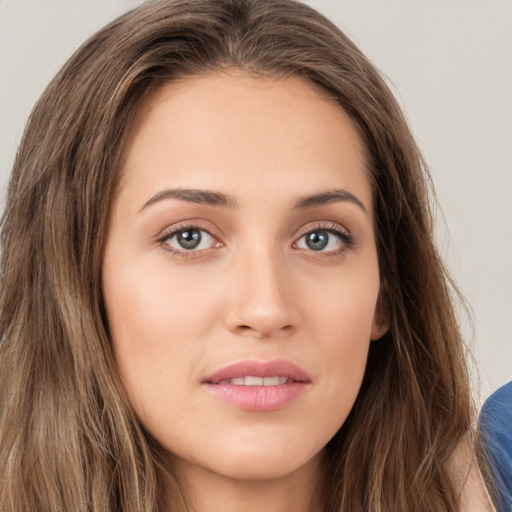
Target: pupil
(189, 239)
(317, 240)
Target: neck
(210, 492)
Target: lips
(276, 368)
(258, 386)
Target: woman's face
(241, 274)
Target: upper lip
(277, 367)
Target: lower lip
(258, 398)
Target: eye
(188, 239)
(324, 240)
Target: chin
(268, 459)
(264, 467)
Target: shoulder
(468, 479)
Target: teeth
(256, 381)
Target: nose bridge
(263, 300)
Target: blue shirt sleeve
(496, 431)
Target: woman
(219, 283)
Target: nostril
(248, 329)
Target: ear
(379, 328)
(380, 325)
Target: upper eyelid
(325, 225)
(183, 226)
(173, 232)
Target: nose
(263, 302)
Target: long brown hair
(69, 440)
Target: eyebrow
(193, 196)
(211, 198)
(328, 197)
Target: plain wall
(449, 63)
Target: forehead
(231, 129)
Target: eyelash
(346, 239)
(171, 233)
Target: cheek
(343, 309)
(156, 332)
(146, 299)
(345, 316)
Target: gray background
(450, 65)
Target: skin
(253, 290)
